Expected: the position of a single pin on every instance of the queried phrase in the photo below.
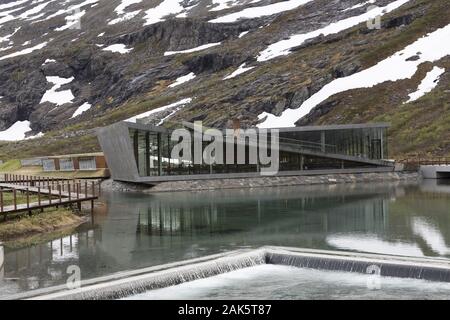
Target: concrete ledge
(135, 282)
(261, 182)
(217, 176)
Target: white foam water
(267, 282)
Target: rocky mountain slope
(67, 67)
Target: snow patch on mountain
(164, 9)
(58, 97)
(47, 61)
(241, 69)
(219, 5)
(284, 47)
(428, 83)
(431, 47)
(243, 33)
(199, 48)
(16, 132)
(72, 21)
(182, 80)
(71, 10)
(12, 4)
(124, 15)
(256, 12)
(83, 108)
(35, 11)
(24, 51)
(157, 110)
(117, 48)
(359, 5)
(120, 9)
(8, 37)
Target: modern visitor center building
(142, 153)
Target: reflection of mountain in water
(142, 230)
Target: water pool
(282, 282)
(132, 231)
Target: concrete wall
(435, 171)
(261, 182)
(116, 144)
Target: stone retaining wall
(260, 182)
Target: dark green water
(132, 231)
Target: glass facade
(300, 149)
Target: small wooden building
(75, 162)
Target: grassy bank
(8, 198)
(48, 221)
(10, 165)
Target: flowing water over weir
(156, 277)
(139, 281)
(414, 269)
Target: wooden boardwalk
(53, 193)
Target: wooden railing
(46, 192)
(52, 182)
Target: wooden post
(60, 195)
(68, 190)
(28, 199)
(15, 198)
(1, 200)
(78, 191)
(93, 188)
(49, 194)
(39, 196)
(28, 203)
(85, 189)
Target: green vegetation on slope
(10, 165)
(419, 127)
(50, 220)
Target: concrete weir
(138, 281)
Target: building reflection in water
(166, 220)
(170, 219)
